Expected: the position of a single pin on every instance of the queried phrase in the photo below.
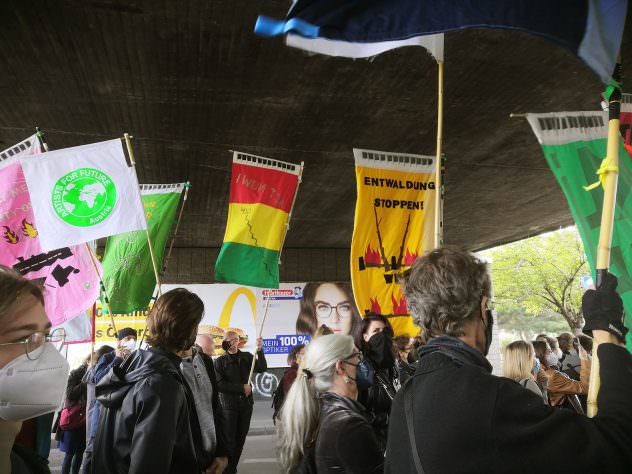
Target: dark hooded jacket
(146, 418)
(467, 420)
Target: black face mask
(225, 345)
(488, 330)
(381, 350)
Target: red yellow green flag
(262, 193)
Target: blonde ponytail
(300, 412)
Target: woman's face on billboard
(333, 308)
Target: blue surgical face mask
(364, 375)
(536, 367)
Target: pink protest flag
(70, 282)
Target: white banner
(83, 193)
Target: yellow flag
(394, 223)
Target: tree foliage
(541, 275)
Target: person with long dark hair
(376, 374)
(329, 304)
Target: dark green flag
(574, 144)
(128, 273)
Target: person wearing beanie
(126, 344)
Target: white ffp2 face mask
(30, 388)
(129, 345)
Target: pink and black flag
(70, 283)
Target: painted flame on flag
(10, 236)
(399, 308)
(29, 229)
(372, 256)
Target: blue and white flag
(590, 29)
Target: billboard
(295, 311)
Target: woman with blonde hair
(521, 365)
(323, 428)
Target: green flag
(574, 144)
(127, 270)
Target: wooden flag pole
(609, 179)
(130, 152)
(187, 185)
(287, 227)
(103, 289)
(93, 320)
(438, 240)
(40, 137)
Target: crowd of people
(364, 402)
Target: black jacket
(220, 432)
(377, 399)
(145, 419)
(346, 442)
(76, 388)
(232, 374)
(469, 421)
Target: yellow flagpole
(438, 239)
(130, 151)
(610, 181)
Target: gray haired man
(453, 415)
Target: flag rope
(607, 221)
(130, 151)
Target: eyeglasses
(356, 354)
(324, 310)
(38, 339)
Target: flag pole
(438, 240)
(187, 185)
(287, 227)
(40, 137)
(130, 152)
(93, 320)
(609, 178)
(254, 358)
(103, 289)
